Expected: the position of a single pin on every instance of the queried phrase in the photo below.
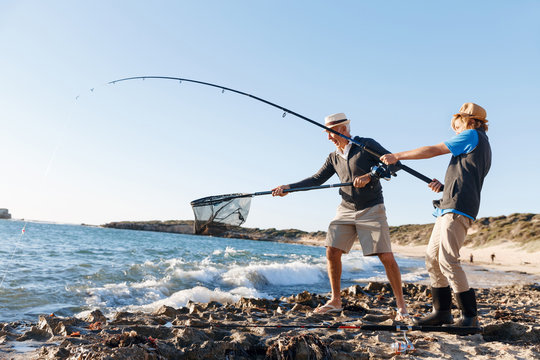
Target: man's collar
(345, 153)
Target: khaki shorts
(369, 226)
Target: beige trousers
(442, 253)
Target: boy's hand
(435, 185)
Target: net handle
(307, 188)
(202, 202)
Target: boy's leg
(437, 279)
(453, 230)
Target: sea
(70, 270)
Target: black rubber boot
(442, 302)
(467, 304)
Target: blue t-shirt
(463, 143)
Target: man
(361, 214)
(470, 163)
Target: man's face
(336, 139)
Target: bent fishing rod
(285, 112)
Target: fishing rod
(458, 330)
(216, 199)
(285, 112)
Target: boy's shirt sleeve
(463, 143)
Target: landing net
(219, 211)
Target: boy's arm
(424, 152)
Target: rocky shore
(509, 316)
(522, 229)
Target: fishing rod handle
(418, 175)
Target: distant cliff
(521, 228)
(4, 214)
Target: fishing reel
(381, 171)
(403, 347)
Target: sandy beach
(512, 263)
(508, 257)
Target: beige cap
(473, 111)
(335, 120)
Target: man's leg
(394, 276)
(333, 256)
(340, 238)
(374, 236)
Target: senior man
(361, 214)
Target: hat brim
(338, 124)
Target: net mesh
(218, 211)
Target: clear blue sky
(144, 150)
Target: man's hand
(389, 159)
(278, 191)
(435, 185)
(361, 181)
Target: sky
(142, 150)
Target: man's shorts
(369, 226)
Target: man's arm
(325, 173)
(424, 152)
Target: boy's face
(458, 125)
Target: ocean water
(70, 270)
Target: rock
(195, 308)
(212, 305)
(157, 332)
(59, 353)
(167, 311)
(376, 286)
(300, 347)
(507, 331)
(54, 325)
(300, 307)
(307, 299)
(188, 336)
(257, 303)
(355, 290)
(245, 340)
(96, 316)
(35, 333)
(375, 318)
(512, 332)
